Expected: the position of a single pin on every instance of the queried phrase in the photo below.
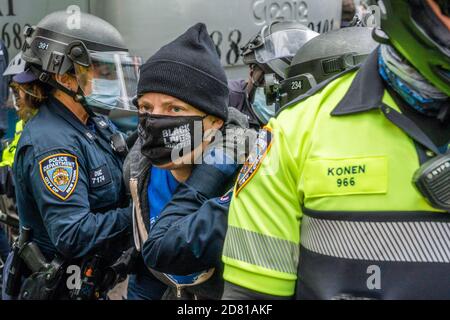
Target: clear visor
(110, 82)
(432, 23)
(283, 44)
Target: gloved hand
(229, 151)
(119, 271)
(223, 157)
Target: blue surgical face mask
(105, 93)
(260, 107)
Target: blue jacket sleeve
(188, 236)
(72, 227)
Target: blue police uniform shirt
(4, 93)
(70, 190)
(4, 81)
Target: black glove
(119, 271)
(2, 133)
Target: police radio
(433, 181)
(119, 144)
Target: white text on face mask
(177, 138)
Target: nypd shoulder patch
(59, 173)
(254, 161)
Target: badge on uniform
(100, 177)
(254, 161)
(226, 199)
(101, 123)
(59, 172)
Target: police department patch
(59, 172)
(254, 161)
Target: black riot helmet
(272, 50)
(92, 50)
(324, 57)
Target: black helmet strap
(77, 96)
(323, 67)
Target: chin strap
(76, 96)
(79, 97)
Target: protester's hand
(230, 150)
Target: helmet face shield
(419, 36)
(110, 81)
(432, 29)
(283, 44)
(428, 22)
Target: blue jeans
(5, 248)
(144, 286)
(8, 262)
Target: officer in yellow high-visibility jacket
(327, 206)
(26, 95)
(10, 150)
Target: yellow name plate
(334, 177)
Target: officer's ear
(68, 81)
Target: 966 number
(346, 182)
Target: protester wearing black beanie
(189, 69)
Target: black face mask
(163, 136)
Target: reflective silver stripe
(261, 250)
(378, 241)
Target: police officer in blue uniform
(68, 170)
(4, 89)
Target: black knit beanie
(188, 69)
